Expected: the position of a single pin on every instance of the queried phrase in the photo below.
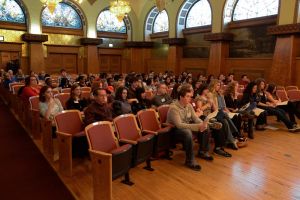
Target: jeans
(280, 114)
(186, 137)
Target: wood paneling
(63, 56)
(219, 51)
(194, 65)
(9, 51)
(284, 61)
(110, 63)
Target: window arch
(11, 11)
(108, 22)
(64, 16)
(236, 10)
(156, 22)
(193, 13)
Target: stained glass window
(199, 14)
(64, 16)
(10, 11)
(108, 22)
(248, 9)
(161, 22)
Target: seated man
(161, 98)
(98, 110)
(181, 114)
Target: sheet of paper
(282, 103)
(257, 111)
(212, 115)
(245, 107)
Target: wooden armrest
(149, 132)
(167, 125)
(128, 141)
(63, 134)
(100, 153)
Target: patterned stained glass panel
(161, 22)
(108, 22)
(248, 9)
(10, 11)
(64, 16)
(199, 14)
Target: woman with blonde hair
(233, 133)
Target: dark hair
(149, 81)
(139, 91)
(174, 93)
(258, 82)
(62, 70)
(184, 89)
(271, 88)
(202, 88)
(249, 88)
(243, 76)
(43, 90)
(73, 87)
(27, 80)
(96, 91)
(119, 91)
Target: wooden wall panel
(253, 67)
(156, 65)
(194, 65)
(297, 71)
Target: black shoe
(222, 152)
(233, 146)
(205, 156)
(193, 166)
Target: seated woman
(290, 107)
(271, 109)
(75, 101)
(250, 96)
(231, 100)
(204, 106)
(121, 99)
(234, 136)
(30, 89)
(48, 105)
(142, 102)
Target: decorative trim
(284, 29)
(11, 46)
(174, 41)
(218, 37)
(103, 34)
(13, 26)
(91, 41)
(195, 30)
(159, 35)
(141, 44)
(91, 1)
(268, 20)
(58, 30)
(27, 37)
(60, 45)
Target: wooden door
(58, 61)
(6, 57)
(110, 63)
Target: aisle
(24, 172)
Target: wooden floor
(269, 168)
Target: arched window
(64, 16)
(193, 13)
(199, 14)
(236, 10)
(11, 11)
(156, 22)
(108, 22)
(161, 22)
(248, 9)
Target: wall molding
(28, 37)
(141, 44)
(91, 41)
(284, 29)
(218, 37)
(174, 41)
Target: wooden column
(219, 51)
(91, 58)
(175, 53)
(137, 54)
(283, 71)
(35, 51)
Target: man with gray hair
(161, 98)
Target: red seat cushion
(121, 149)
(145, 138)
